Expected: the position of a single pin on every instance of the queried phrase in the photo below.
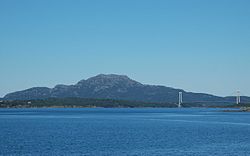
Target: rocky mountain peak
(109, 76)
(109, 80)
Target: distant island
(114, 91)
(119, 88)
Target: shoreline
(227, 109)
(241, 109)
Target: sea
(124, 132)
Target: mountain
(113, 86)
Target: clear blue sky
(196, 45)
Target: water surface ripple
(124, 132)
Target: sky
(196, 45)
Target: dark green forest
(106, 103)
(79, 102)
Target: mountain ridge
(112, 86)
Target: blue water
(120, 132)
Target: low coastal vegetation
(107, 103)
(79, 102)
(244, 107)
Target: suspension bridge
(237, 95)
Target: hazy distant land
(121, 87)
(114, 91)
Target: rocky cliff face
(112, 87)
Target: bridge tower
(180, 99)
(238, 97)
